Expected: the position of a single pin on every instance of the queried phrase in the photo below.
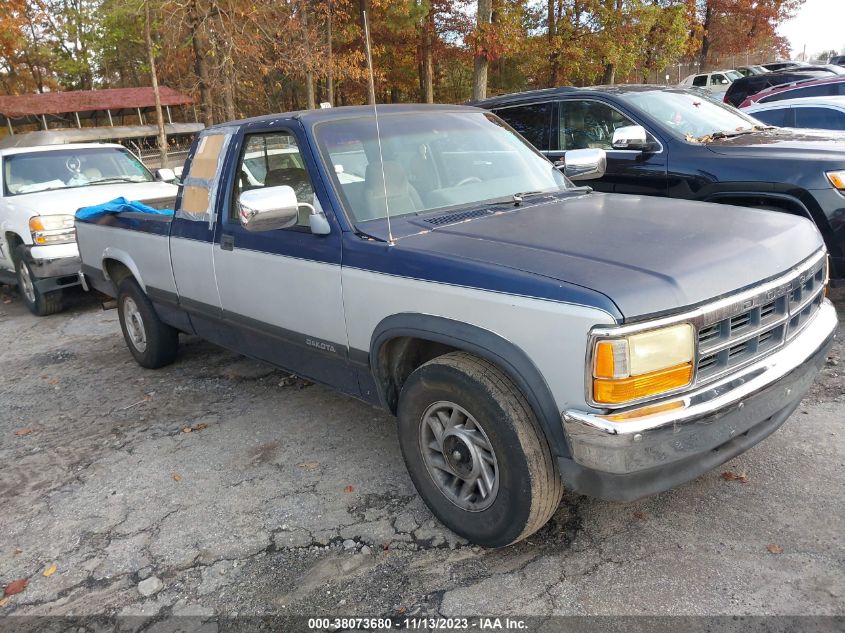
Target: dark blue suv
(678, 143)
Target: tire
(39, 303)
(484, 407)
(152, 342)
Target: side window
(820, 118)
(700, 80)
(585, 124)
(776, 117)
(718, 80)
(531, 121)
(273, 160)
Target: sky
(819, 25)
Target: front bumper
(54, 266)
(658, 446)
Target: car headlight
(52, 229)
(629, 368)
(837, 179)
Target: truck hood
(649, 255)
(67, 201)
(784, 143)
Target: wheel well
(399, 357)
(13, 240)
(765, 202)
(116, 271)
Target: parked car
(839, 60)
(527, 333)
(41, 189)
(826, 87)
(717, 81)
(740, 89)
(782, 65)
(822, 113)
(755, 69)
(671, 142)
(833, 69)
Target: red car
(826, 87)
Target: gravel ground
(219, 485)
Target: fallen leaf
(26, 431)
(176, 477)
(186, 429)
(16, 586)
(7, 300)
(18, 551)
(53, 381)
(199, 426)
(348, 489)
(309, 465)
(732, 476)
(639, 515)
(3, 602)
(385, 546)
(49, 571)
(774, 548)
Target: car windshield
(31, 172)
(733, 75)
(689, 116)
(430, 161)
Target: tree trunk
(309, 62)
(705, 38)
(229, 89)
(364, 12)
(479, 76)
(200, 46)
(329, 73)
(554, 58)
(162, 133)
(427, 66)
(609, 76)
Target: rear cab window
(532, 121)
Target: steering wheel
(468, 180)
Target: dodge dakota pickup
(41, 187)
(528, 334)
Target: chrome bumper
(690, 427)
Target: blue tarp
(118, 205)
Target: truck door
(280, 290)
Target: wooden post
(111, 122)
(78, 123)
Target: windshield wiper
(724, 134)
(114, 179)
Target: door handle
(227, 242)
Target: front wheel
(475, 451)
(39, 303)
(152, 342)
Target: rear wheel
(475, 451)
(152, 342)
(39, 303)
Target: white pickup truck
(40, 189)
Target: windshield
(431, 161)
(68, 168)
(733, 75)
(688, 116)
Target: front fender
(483, 343)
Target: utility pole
(329, 75)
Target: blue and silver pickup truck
(528, 334)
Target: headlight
(632, 367)
(52, 229)
(837, 179)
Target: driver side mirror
(584, 164)
(631, 137)
(165, 174)
(268, 209)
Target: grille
(451, 218)
(733, 335)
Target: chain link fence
(147, 151)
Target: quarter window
(585, 124)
